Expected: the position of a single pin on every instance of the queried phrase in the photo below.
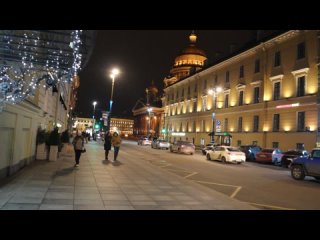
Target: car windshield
(233, 149)
(316, 153)
(267, 150)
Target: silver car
(160, 143)
(144, 141)
(183, 147)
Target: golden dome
(190, 58)
(192, 49)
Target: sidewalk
(99, 185)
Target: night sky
(141, 56)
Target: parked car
(269, 155)
(289, 156)
(250, 151)
(226, 154)
(144, 141)
(183, 147)
(208, 147)
(160, 143)
(306, 166)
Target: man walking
(78, 144)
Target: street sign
(218, 122)
(218, 128)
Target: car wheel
(224, 160)
(191, 153)
(318, 178)
(208, 157)
(297, 172)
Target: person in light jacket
(116, 141)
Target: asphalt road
(263, 186)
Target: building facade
(148, 114)
(267, 95)
(49, 107)
(121, 125)
(83, 124)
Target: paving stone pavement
(129, 184)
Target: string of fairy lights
(28, 60)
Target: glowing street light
(214, 92)
(114, 73)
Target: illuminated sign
(178, 134)
(288, 105)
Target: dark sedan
(288, 157)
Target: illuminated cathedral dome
(190, 57)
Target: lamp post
(149, 110)
(214, 92)
(113, 75)
(93, 117)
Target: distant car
(250, 151)
(269, 155)
(208, 147)
(226, 154)
(144, 141)
(307, 166)
(289, 156)
(160, 143)
(183, 147)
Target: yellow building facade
(266, 95)
(122, 125)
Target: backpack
(78, 144)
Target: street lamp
(113, 75)
(214, 92)
(93, 117)
(149, 110)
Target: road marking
(238, 188)
(179, 170)
(194, 173)
(167, 165)
(235, 192)
(217, 184)
(270, 206)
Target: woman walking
(116, 141)
(107, 144)
(78, 144)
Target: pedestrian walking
(116, 141)
(107, 144)
(78, 144)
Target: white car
(144, 141)
(226, 154)
(161, 144)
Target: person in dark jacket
(107, 144)
(78, 144)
